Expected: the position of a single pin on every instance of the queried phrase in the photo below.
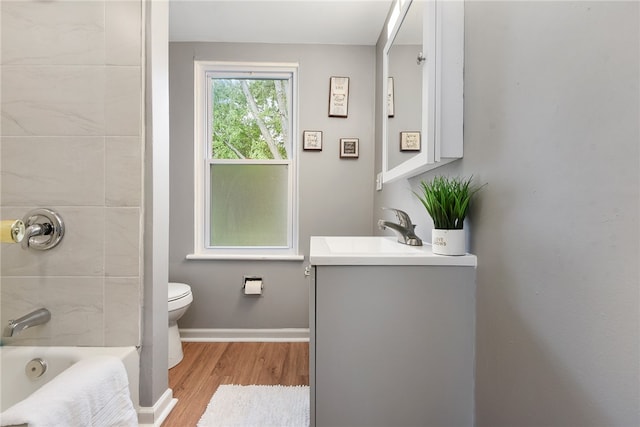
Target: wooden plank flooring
(207, 365)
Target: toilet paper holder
(252, 285)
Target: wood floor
(207, 365)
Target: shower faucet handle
(44, 229)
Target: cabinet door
(312, 345)
(394, 346)
(449, 80)
(441, 86)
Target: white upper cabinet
(422, 112)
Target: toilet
(180, 299)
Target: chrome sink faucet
(404, 229)
(34, 318)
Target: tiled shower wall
(71, 139)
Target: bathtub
(16, 385)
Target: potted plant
(447, 202)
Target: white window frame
(202, 161)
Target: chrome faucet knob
(44, 229)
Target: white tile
(123, 171)
(77, 310)
(53, 100)
(122, 242)
(39, 171)
(123, 32)
(122, 311)
(79, 253)
(18, 297)
(52, 32)
(75, 303)
(123, 101)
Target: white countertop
(378, 250)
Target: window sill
(246, 257)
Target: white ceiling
(356, 22)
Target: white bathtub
(15, 385)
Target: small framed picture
(338, 96)
(312, 140)
(391, 111)
(349, 148)
(409, 141)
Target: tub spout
(37, 317)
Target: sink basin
(368, 245)
(377, 250)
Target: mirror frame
(428, 156)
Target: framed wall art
(391, 110)
(338, 96)
(312, 140)
(349, 148)
(410, 141)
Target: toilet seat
(178, 290)
(179, 296)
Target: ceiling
(355, 22)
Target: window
(245, 161)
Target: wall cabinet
(434, 31)
(392, 345)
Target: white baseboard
(245, 335)
(154, 416)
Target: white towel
(93, 392)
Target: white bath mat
(257, 406)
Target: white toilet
(180, 299)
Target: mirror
(405, 86)
(409, 82)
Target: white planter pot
(448, 242)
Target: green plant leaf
(447, 200)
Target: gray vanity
(392, 334)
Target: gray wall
(335, 194)
(154, 354)
(551, 125)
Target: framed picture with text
(391, 110)
(349, 148)
(312, 140)
(410, 141)
(338, 96)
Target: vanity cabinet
(392, 345)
